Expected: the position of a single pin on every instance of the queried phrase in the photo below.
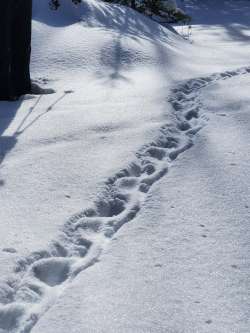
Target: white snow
(62, 142)
(79, 164)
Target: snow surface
(120, 118)
(183, 264)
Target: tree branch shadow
(116, 57)
(24, 126)
(8, 112)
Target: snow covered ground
(58, 150)
(94, 151)
(183, 264)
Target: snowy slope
(59, 150)
(196, 262)
(100, 142)
(182, 265)
(55, 147)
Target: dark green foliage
(55, 4)
(178, 16)
(155, 7)
(150, 7)
(158, 7)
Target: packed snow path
(40, 278)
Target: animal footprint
(157, 153)
(53, 271)
(10, 316)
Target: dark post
(133, 5)
(15, 48)
(5, 25)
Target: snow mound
(95, 13)
(95, 39)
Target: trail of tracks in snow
(40, 278)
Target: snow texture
(98, 147)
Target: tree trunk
(5, 40)
(133, 5)
(15, 47)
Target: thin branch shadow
(8, 112)
(28, 114)
(21, 128)
(9, 109)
